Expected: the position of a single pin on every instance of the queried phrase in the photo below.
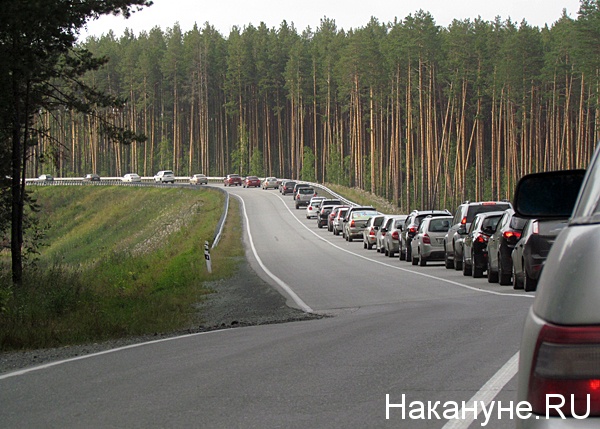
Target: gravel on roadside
(242, 300)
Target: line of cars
(483, 239)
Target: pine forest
(422, 115)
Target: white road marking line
(487, 393)
(299, 302)
(104, 352)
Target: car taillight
(352, 224)
(372, 232)
(298, 196)
(309, 208)
(463, 221)
(426, 239)
(482, 238)
(535, 227)
(395, 235)
(412, 229)
(512, 236)
(566, 364)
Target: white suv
(164, 176)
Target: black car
(410, 228)
(464, 215)
(475, 254)
(500, 247)
(326, 208)
(532, 249)
(287, 187)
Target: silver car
(559, 371)
(428, 244)
(199, 179)
(392, 229)
(338, 222)
(270, 183)
(371, 231)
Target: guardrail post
(207, 257)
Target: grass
(119, 262)
(365, 198)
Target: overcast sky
(224, 14)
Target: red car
(232, 180)
(252, 182)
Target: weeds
(92, 283)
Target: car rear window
(517, 223)
(439, 225)
(305, 191)
(485, 208)
(378, 221)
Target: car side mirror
(462, 230)
(547, 195)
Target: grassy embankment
(366, 198)
(118, 262)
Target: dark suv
(410, 228)
(465, 213)
(501, 245)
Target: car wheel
(492, 276)
(401, 254)
(414, 260)
(448, 263)
(529, 283)
(475, 271)
(466, 268)
(364, 244)
(349, 238)
(422, 260)
(408, 253)
(458, 263)
(319, 225)
(369, 246)
(385, 251)
(297, 206)
(516, 283)
(336, 232)
(503, 278)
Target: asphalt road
(425, 334)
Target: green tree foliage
(41, 70)
(441, 114)
(308, 166)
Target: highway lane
(424, 332)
